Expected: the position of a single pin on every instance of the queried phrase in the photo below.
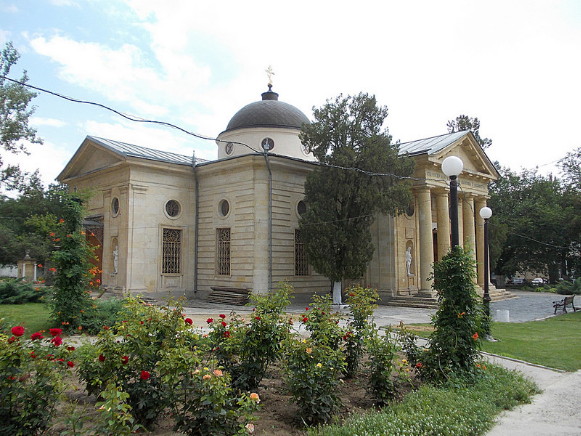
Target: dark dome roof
(269, 112)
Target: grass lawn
(553, 342)
(32, 316)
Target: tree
(571, 169)
(466, 123)
(535, 214)
(14, 117)
(343, 194)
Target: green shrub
(458, 322)
(322, 322)
(312, 373)
(362, 302)
(382, 384)
(17, 291)
(102, 313)
(30, 380)
(569, 287)
(115, 414)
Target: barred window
(172, 251)
(223, 251)
(172, 208)
(301, 261)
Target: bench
(228, 295)
(564, 303)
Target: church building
(169, 224)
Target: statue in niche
(408, 261)
(115, 259)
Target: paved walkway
(557, 411)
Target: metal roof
(130, 150)
(430, 145)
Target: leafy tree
(465, 123)
(535, 214)
(343, 194)
(571, 169)
(14, 116)
(571, 172)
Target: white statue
(115, 259)
(408, 261)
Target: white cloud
(52, 122)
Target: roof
(268, 112)
(130, 150)
(430, 145)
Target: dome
(269, 112)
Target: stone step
(428, 302)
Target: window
(301, 262)
(223, 252)
(172, 208)
(172, 251)
(224, 208)
(301, 208)
(115, 206)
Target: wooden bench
(564, 303)
(228, 295)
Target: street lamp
(452, 167)
(486, 213)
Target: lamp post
(486, 213)
(452, 167)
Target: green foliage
(454, 409)
(148, 333)
(14, 116)
(348, 132)
(535, 226)
(202, 399)
(102, 312)
(312, 373)
(569, 287)
(455, 340)
(116, 418)
(361, 303)
(30, 381)
(322, 322)
(381, 365)
(466, 123)
(17, 291)
(71, 259)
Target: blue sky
(514, 64)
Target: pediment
(476, 162)
(89, 158)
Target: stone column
(443, 218)
(426, 249)
(468, 224)
(479, 203)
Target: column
(443, 219)
(426, 249)
(468, 223)
(479, 203)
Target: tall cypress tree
(345, 192)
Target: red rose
(222, 316)
(106, 327)
(419, 365)
(101, 358)
(224, 324)
(188, 321)
(144, 375)
(36, 336)
(227, 334)
(11, 339)
(57, 340)
(55, 332)
(124, 359)
(475, 336)
(70, 364)
(306, 308)
(257, 318)
(305, 319)
(210, 320)
(18, 330)
(71, 348)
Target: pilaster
(426, 249)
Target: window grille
(172, 208)
(223, 252)
(172, 251)
(301, 261)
